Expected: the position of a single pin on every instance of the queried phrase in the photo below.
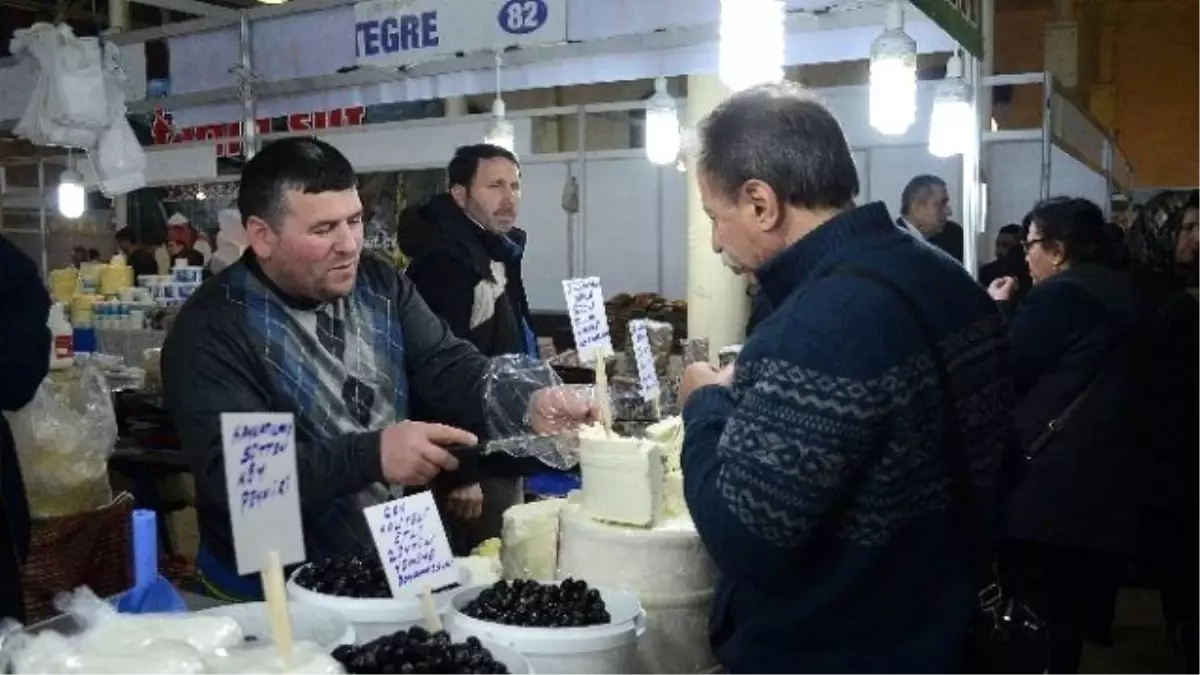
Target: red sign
(164, 132)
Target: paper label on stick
(263, 489)
(589, 322)
(412, 544)
(644, 356)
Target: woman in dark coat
(1163, 248)
(1072, 512)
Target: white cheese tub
(607, 648)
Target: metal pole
(582, 220)
(971, 192)
(246, 89)
(1047, 132)
(1108, 179)
(43, 230)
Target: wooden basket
(90, 549)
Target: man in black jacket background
(925, 212)
(24, 362)
(465, 260)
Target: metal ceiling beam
(195, 7)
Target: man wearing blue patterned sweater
(814, 468)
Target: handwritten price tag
(260, 478)
(589, 323)
(412, 544)
(645, 360)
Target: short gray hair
(783, 137)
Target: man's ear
(765, 202)
(459, 194)
(261, 238)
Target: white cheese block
(530, 540)
(668, 433)
(622, 478)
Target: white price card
(647, 377)
(263, 489)
(589, 322)
(412, 544)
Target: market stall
(614, 577)
(1069, 153)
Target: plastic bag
(45, 120)
(52, 653)
(107, 630)
(518, 388)
(119, 160)
(64, 438)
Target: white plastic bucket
(515, 661)
(607, 648)
(370, 617)
(677, 639)
(310, 623)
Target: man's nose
(346, 242)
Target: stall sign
(393, 33)
(644, 357)
(589, 321)
(228, 134)
(412, 544)
(259, 450)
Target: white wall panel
(673, 197)
(621, 240)
(391, 147)
(1070, 177)
(546, 261)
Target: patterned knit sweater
(817, 482)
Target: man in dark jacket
(925, 212)
(136, 255)
(465, 252)
(816, 469)
(465, 259)
(24, 362)
(1009, 262)
(306, 323)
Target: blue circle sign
(518, 17)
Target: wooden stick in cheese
(602, 397)
(277, 609)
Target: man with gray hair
(822, 468)
(925, 212)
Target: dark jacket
(818, 482)
(24, 362)
(1014, 265)
(1169, 391)
(468, 276)
(142, 262)
(1080, 491)
(232, 350)
(950, 239)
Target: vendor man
(306, 323)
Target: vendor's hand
(702, 374)
(466, 502)
(556, 409)
(413, 453)
(1002, 289)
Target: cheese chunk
(530, 540)
(668, 433)
(622, 478)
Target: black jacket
(1169, 391)
(1013, 264)
(1081, 489)
(456, 267)
(227, 352)
(24, 362)
(468, 276)
(950, 239)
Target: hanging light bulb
(953, 119)
(499, 130)
(662, 125)
(72, 199)
(753, 38)
(893, 96)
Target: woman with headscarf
(1071, 513)
(179, 245)
(1163, 246)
